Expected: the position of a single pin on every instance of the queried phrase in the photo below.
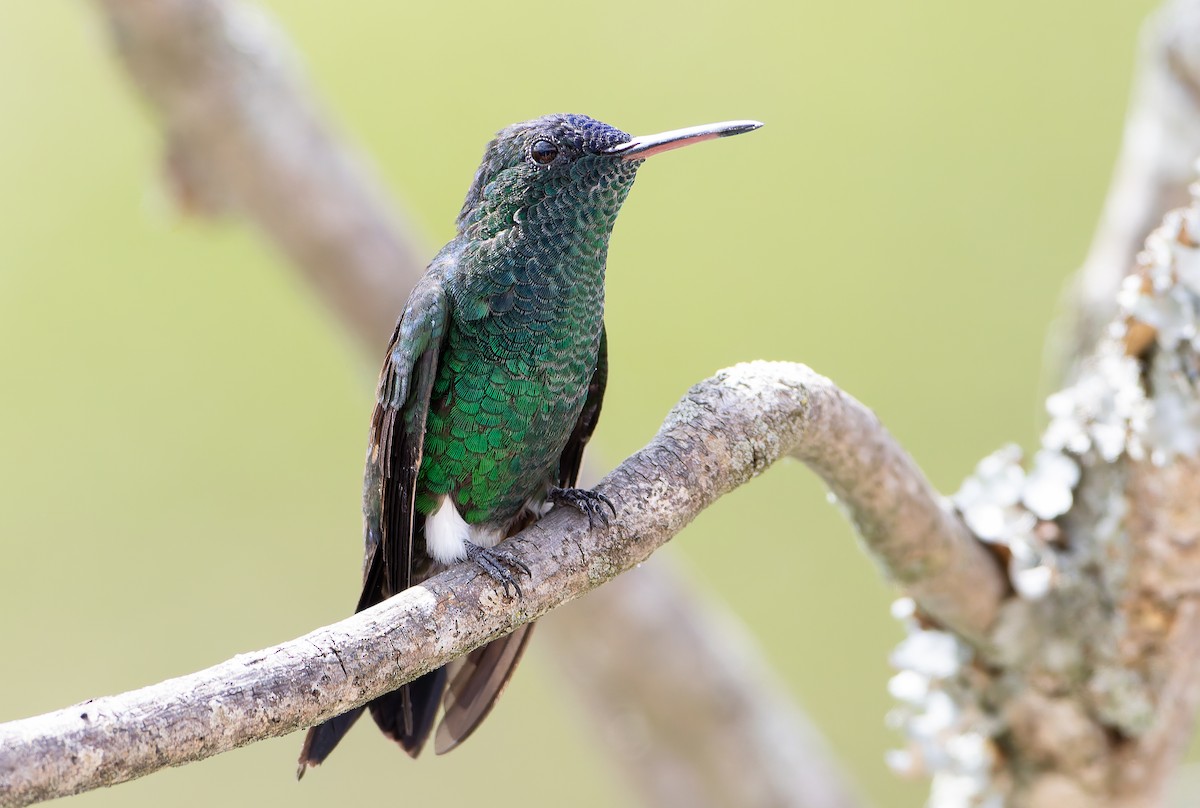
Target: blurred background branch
(244, 136)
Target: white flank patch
(447, 534)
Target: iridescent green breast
(503, 408)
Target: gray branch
(724, 432)
(243, 135)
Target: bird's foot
(501, 565)
(590, 503)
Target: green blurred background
(182, 424)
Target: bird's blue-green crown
(547, 156)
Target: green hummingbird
(490, 389)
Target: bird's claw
(590, 503)
(500, 565)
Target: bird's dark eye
(543, 152)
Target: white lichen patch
(990, 500)
(1174, 429)
(1049, 487)
(1003, 505)
(1103, 411)
(932, 654)
(1164, 294)
(947, 735)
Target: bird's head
(547, 166)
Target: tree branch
(244, 134)
(724, 432)
(916, 537)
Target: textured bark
(1161, 645)
(1097, 685)
(724, 432)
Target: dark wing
(397, 438)
(478, 679)
(390, 521)
(393, 461)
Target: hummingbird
(490, 389)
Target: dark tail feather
(322, 739)
(389, 711)
(476, 681)
(406, 715)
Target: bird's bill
(643, 146)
